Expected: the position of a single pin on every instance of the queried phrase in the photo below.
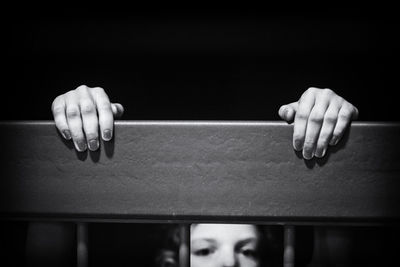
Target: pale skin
(320, 118)
(224, 245)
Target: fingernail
(107, 135)
(298, 145)
(284, 111)
(81, 146)
(336, 141)
(323, 152)
(93, 144)
(67, 134)
(319, 153)
(333, 141)
(307, 154)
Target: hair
(270, 247)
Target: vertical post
(289, 252)
(184, 254)
(82, 245)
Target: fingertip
(307, 155)
(117, 109)
(66, 134)
(297, 145)
(282, 111)
(286, 112)
(93, 144)
(334, 140)
(107, 135)
(320, 152)
(120, 109)
(114, 109)
(355, 113)
(80, 145)
(289, 114)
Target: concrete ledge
(200, 172)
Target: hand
(320, 119)
(79, 113)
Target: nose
(228, 258)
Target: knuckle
(326, 94)
(316, 117)
(306, 93)
(347, 106)
(98, 89)
(72, 112)
(104, 106)
(330, 118)
(312, 89)
(301, 115)
(56, 100)
(340, 100)
(87, 107)
(58, 109)
(345, 115)
(70, 93)
(82, 88)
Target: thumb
(117, 109)
(288, 111)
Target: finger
(355, 113)
(117, 109)
(106, 118)
(58, 109)
(306, 104)
(344, 119)
(89, 118)
(326, 132)
(74, 120)
(314, 125)
(288, 111)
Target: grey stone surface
(200, 171)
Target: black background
(201, 63)
(233, 62)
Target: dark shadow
(95, 155)
(82, 156)
(310, 163)
(67, 143)
(70, 145)
(331, 150)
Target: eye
(251, 253)
(203, 252)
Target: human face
(224, 245)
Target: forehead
(223, 231)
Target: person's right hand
(79, 113)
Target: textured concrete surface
(200, 171)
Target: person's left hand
(320, 119)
